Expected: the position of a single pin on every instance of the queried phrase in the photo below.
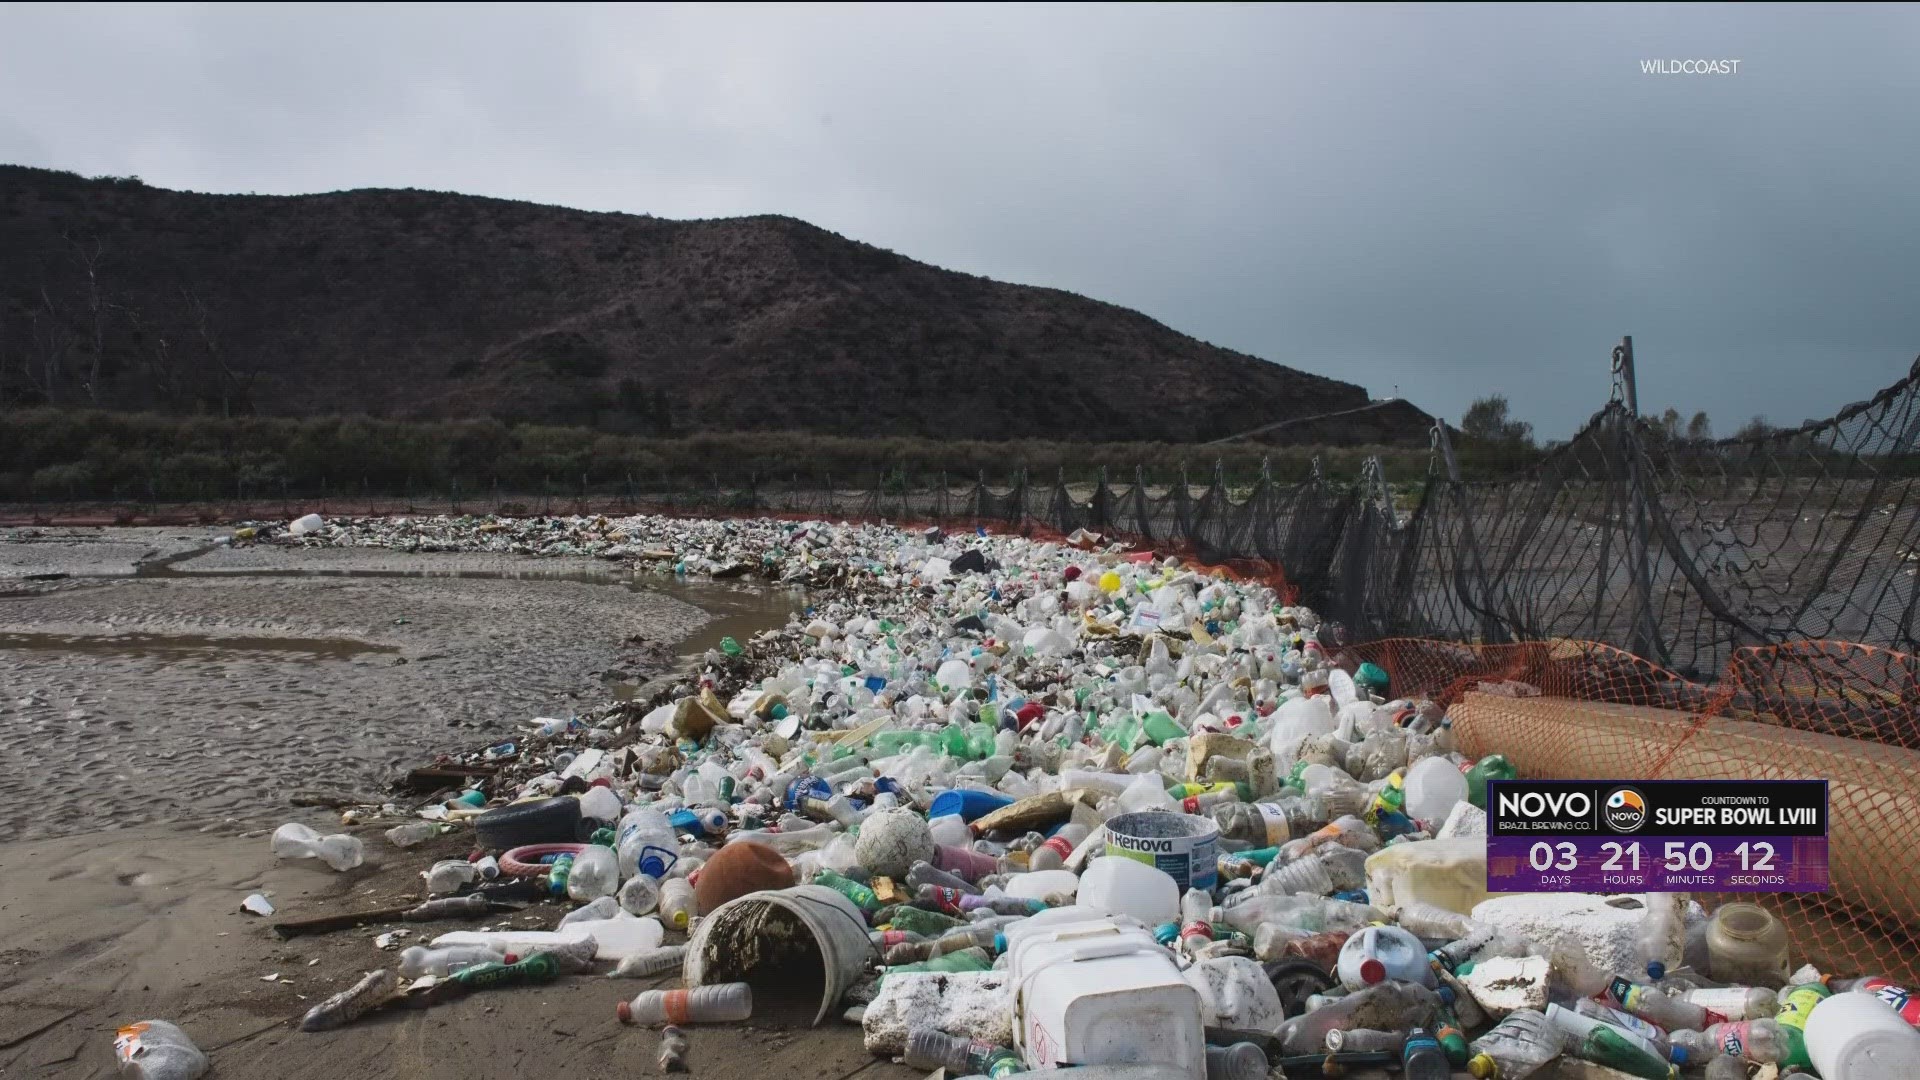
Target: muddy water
(166, 693)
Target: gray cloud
(1448, 200)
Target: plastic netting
(1847, 714)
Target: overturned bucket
(1178, 845)
(781, 938)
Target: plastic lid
(1482, 1067)
(1372, 971)
(624, 1011)
(1679, 1054)
(513, 958)
(1656, 970)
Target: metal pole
(1647, 641)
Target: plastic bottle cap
(1372, 971)
(1656, 970)
(624, 1011)
(512, 958)
(1483, 1067)
(1679, 1055)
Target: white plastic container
(1098, 993)
(309, 523)
(1855, 1036)
(1434, 786)
(1040, 884)
(1118, 886)
(615, 939)
(1297, 720)
(1378, 953)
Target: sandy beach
(162, 701)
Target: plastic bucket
(1182, 846)
(778, 938)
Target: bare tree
(99, 309)
(233, 381)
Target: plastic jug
(1378, 953)
(1093, 993)
(1747, 945)
(1299, 719)
(1118, 886)
(1860, 1037)
(1433, 786)
(1450, 873)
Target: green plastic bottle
(975, 959)
(1160, 728)
(730, 646)
(920, 921)
(1606, 1046)
(862, 896)
(1491, 767)
(538, 968)
(1795, 1006)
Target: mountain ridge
(414, 304)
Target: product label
(1275, 817)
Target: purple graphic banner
(1606, 864)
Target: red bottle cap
(1372, 971)
(624, 1011)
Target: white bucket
(1182, 846)
(1099, 993)
(1859, 1037)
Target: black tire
(549, 821)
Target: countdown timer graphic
(1657, 836)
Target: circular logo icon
(1626, 810)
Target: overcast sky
(1450, 201)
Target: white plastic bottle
(1378, 953)
(411, 833)
(157, 1050)
(604, 907)
(640, 895)
(677, 904)
(449, 876)
(296, 841)
(646, 843)
(596, 873)
(720, 1003)
(419, 960)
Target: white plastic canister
(1101, 993)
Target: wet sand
(161, 704)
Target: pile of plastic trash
(1016, 805)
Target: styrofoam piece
(1466, 819)
(1605, 933)
(974, 1004)
(1505, 983)
(1236, 993)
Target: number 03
(1540, 857)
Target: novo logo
(1626, 810)
(1557, 806)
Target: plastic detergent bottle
(1516, 1047)
(1378, 953)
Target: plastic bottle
(1378, 953)
(1314, 913)
(1610, 1046)
(862, 896)
(677, 903)
(449, 876)
(1746, 944)
(1433, 922)
(157, 1050)
(541, 967)
(1899, 997)
(1491, 767)
(600, 803)
(646, 843)
(650, 962)
(1453, 1041)
(1303, 875)
(640, 895)
(673, 1050)
(596, 873)
(1796, 1004)
(1196, 932)
(965, 862)
(1654, 943)
(1366, 1041)
(719, 1003)
(931, 1048)
(1648, 1003)
(441, 962)
(925, 873)
(343, 1008)
(1241, 1061)
(604, 907)
(296, 841)
(1736, 1002)
(1516, 1047)
(411, 833)
(1052, 854)
(1388, 1006)
(1606, 1014)
(1421, 1058)
(1760, 1041)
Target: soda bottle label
(1893, 994)
(1793, 1012)
(1733, 1039)
(1274, 816)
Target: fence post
(1646, 631)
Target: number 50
(1699, 857)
